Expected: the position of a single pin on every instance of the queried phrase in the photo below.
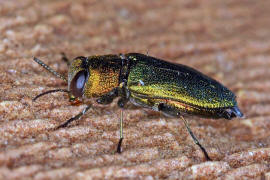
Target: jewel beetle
(173, 89)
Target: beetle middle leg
(118, 150)
(108, 98)
(121, 103)
(124, 94)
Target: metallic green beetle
(173, 89)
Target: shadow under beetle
(172, 89)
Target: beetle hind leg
(196, 141)
(171, 111)
(167, 110)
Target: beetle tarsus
(119, 149)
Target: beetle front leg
(109, 97)
(105, 99)
(65, 124)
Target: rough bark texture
(227, 40)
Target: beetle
(149, 82)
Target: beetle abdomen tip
(232, 112)
(238, 112)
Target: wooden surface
(227, 40)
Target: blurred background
(227, 40)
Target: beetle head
(78, 74)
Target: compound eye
(77, 84)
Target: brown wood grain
(227, 40)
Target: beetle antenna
(45, 66)
(50, 91)
(64, 58)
